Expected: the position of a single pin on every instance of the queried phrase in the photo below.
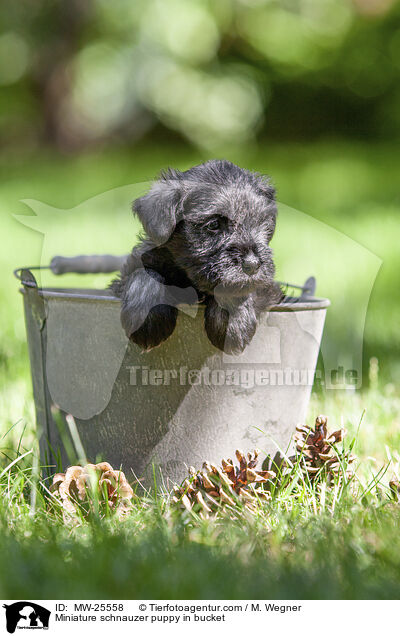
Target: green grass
(296, 546)
(310, 541)
(355, 555)
(341, 543)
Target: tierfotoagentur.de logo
(26, 615)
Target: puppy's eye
(214, 225)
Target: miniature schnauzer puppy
(208, 228)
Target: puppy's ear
(161, 209)
(266, 188)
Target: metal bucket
(175, 406)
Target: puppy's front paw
(157, 327)
(271, 294)
(230, 329)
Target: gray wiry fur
(208, 228)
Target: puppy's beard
(239, 285)
(210, 273)
(233, 290)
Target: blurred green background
(88, 72)
(97, 96)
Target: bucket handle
(107, 263)
(83, 264)
(307, 290)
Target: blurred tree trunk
(52, 76)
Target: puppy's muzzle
(250, 264)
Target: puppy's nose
(250, 264)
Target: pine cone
(79, 487)
(212, 488)
(318, 455)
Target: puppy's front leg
(271, 294)
(230, 325)
(146, 316)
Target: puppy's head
(217, 220)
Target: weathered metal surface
(176, 405)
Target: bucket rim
(291, 303)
